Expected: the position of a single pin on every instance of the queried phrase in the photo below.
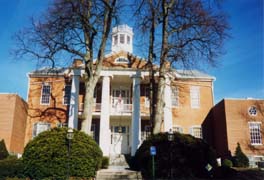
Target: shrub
(240, 159)
(105, 162)
(227, 163)
(185, 156)
(3, 151)
(46, 156)
(11, 168)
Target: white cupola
(122, 39)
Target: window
(255, 133)
(61, 125)
(174, 96)
(122, 38)
(121, 60)
(146, 133)
(40, 127)
(115, 39)
(67, 95)
(45, 94)
(93, 129)
(147, 99)
(252, 111)
(177, 129)
(195, 96)
(196, 131)
(128, 39)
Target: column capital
(75, 72)
(137, 75)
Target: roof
(133, 63)
(193, 74)
(49, 71)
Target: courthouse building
(120, 119)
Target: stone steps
(117, 174)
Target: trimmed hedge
(227, 163)
(11, 167)
(46, 156)
(3, 151)
(105, 162)
(185, 156)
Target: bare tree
(192, 32)
(71, 28)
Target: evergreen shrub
(240, 159)
(11, 168)
(3, 151)
(46, 156)
(227, 163)
(105, 162)
(185, 156)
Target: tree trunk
(88, 107)
(158, 115)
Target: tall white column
(136, 121)
(104, 137)
(167, 107)
(74, 102)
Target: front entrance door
(119, 140)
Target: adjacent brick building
(13, 117)
(233, 121)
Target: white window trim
(177, 126)
(124, 36)
(195, 88)
(177, 89)
(196, 126)
(64, 95)
(255, 122)
(45, 84)
(39, 123)
(123, 62)
(253, 114)
(147, 99)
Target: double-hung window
(40, 127)
(195, 96)
(196, 131)
(255, 133)
(174, 96)
(178, 129)
(67, 95)
(45, 94)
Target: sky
(240, 73)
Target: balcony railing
(121, 108)
(115, 109)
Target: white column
(74, 102)
(167, 107)
(136, 121)
(104, 137)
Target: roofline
(243, 99)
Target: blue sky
(240, 73)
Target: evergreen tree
(240, 159)
(3, 150)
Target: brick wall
(13, 115)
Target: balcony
(115, 109)
(119, 109)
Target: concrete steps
(117, 170)
(117, 174)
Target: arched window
(121, 60)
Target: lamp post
(69, 138)
(170, 139)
